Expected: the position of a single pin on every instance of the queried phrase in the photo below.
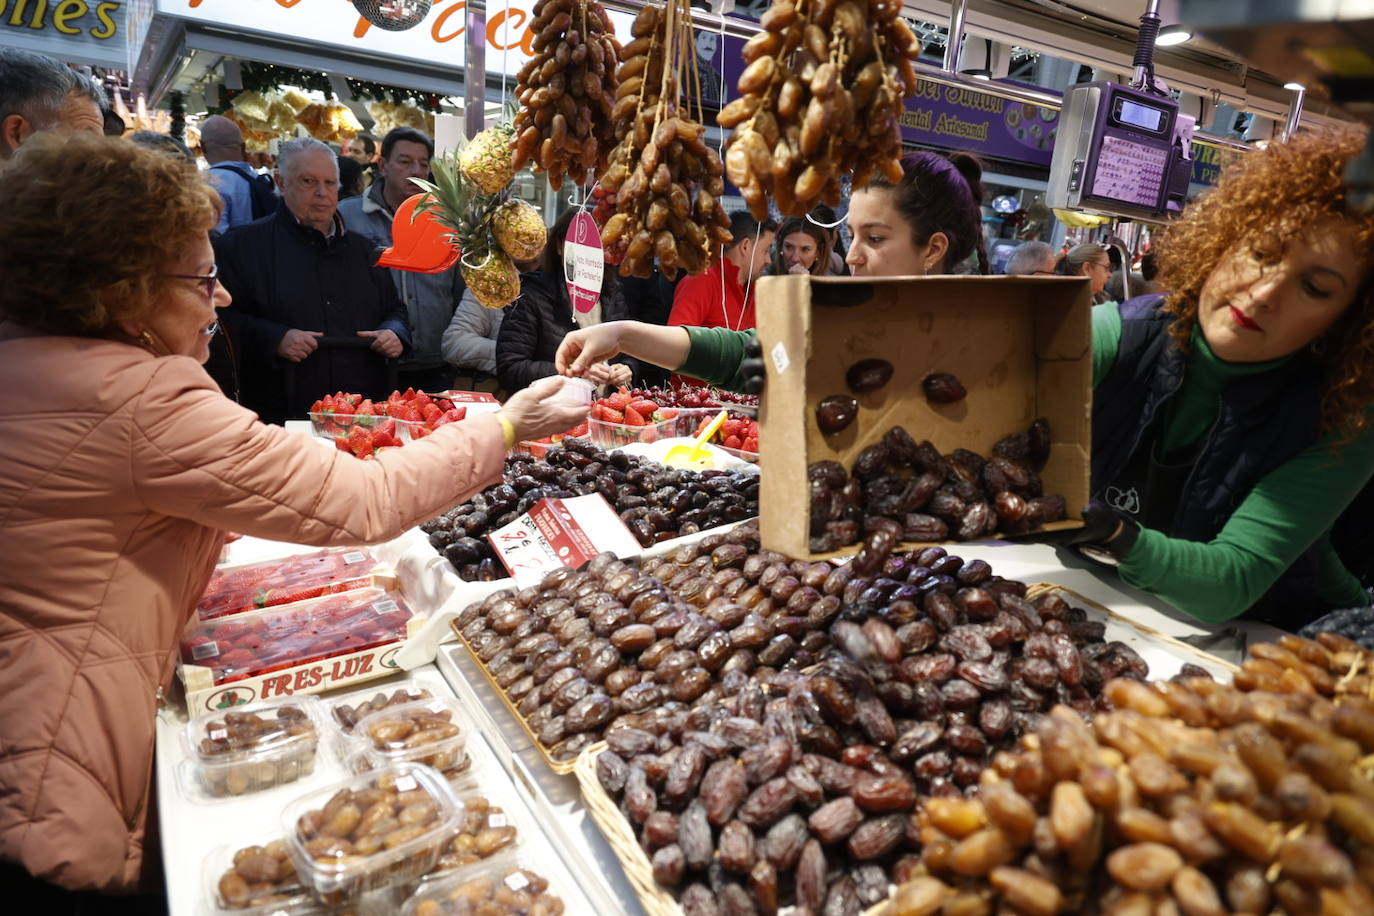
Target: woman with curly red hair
(1231, 414)
(125, 465)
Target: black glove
(751, 370)
(1100, 522)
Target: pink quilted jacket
(119, 471)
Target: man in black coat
(298, 276)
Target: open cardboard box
(1022, 346)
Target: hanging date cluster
(663, 180)
(820, 98)
(567, 91)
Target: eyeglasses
(1107, 267)
(209, 281)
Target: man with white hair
(1031, 259)
(39, 93)
(300, 276)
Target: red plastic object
(419, 242)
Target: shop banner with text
(90, 32)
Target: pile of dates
(1191, 797)
(567, 91)
(656, 503)
(612, 642)
(900, 490)
(1353, 623)
(801, 786)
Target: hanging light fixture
(1173, 35)
(394, 15)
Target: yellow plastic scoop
(694, 456)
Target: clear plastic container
(502, 886)
(255, 881)
(271, 583)
(346, 711)
(334, 426)
(243, 645)
(576, 391)
(248, 749)
(430, 732)
(614, 435)
(345, 842)
(484, 830)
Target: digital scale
(1121, 152)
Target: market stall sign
(437, 40)
(583, 262)
(561, 532)
(76, 31)
(952, 117)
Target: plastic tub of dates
(500, 886)
(376, 830)
(346, 711)
(255, 881)
(241, 750)
(428, 732)
(484, 830)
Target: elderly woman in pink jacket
(122, 467)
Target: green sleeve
(1106, 339)
(1287, 512)
(714, 355)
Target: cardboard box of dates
(994, 372)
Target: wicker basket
(653, 897)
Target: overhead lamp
(1294, 87)
(1173, 35)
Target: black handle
(361, 343)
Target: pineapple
(488, 158)
(519, 230)
(468, 214)
(494, 281)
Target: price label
(561, 532)
(356, 556)
(205, 650)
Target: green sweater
(1287, 512)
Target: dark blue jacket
(1262, 422)
(283, 275)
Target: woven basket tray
(653, 897)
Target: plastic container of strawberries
(244, 645)
(337, 426)
(254, 586)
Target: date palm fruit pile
(819, 99)
(1190, 797)
(567, 91)
(664, 178)
(469, 195)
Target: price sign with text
(561, 532)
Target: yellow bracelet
(507, 430)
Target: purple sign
(952, 117)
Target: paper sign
(561, 532)
(583, 262)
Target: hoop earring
(150, 342)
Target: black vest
(1262, 422)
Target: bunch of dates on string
(663, 182)
(656, 503)
(1191, 797)
(901, 490)
(819, 99)
(567, 91)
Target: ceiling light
(1294, 87)
(1173, 35)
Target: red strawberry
(317, 407)
(751, 444)
(419, 432)
(666, 413)
(366, 409)
(410, 414)
(734, 442)
(354, 399)
(455, 414)
(644, 407)
(344, 413)
(385, 428)
(634, 417)
(422, 400)
(431, 410)
(578, 430)
(620, 400)
(648, 434)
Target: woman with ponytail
(1091, 261)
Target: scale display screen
(1146, 117)
(1130, 172)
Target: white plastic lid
(576, 391)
